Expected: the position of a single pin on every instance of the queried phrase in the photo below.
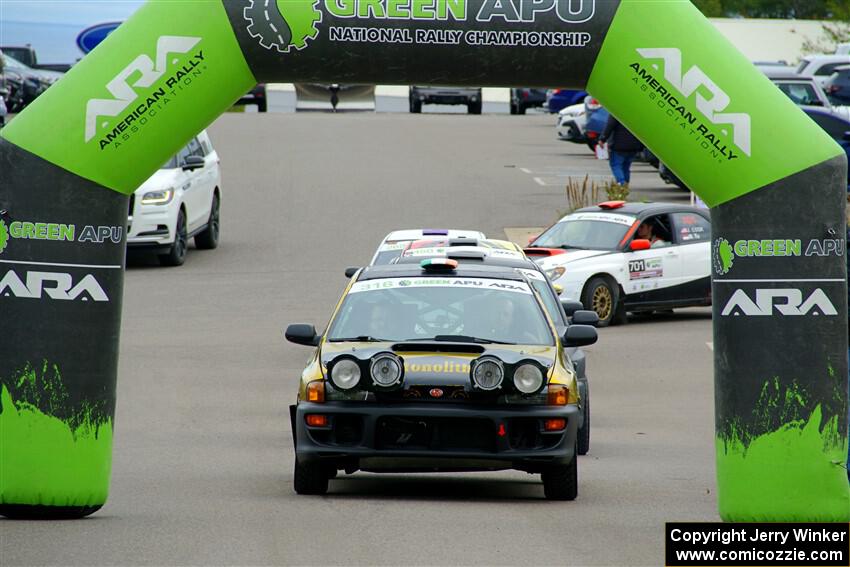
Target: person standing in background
(623, 148)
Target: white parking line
(540, 181)
(710, 346)
(525, 170)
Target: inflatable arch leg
(775, 181)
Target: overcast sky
(51, 26)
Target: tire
(583, 442)
(474, 107)
(416, 106)
(310, 478)
(176, 255)
(560, 482)
(207, 239)
(601, 296)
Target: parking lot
(202, 465)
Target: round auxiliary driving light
(528, 378)
(345, 374)
(487, 374)
(386, 370)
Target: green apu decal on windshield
(689, 95)
(51, 454)
(133, 102)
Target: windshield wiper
(465, 339)
(569, 247)
(358, 339)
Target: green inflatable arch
(69, 162)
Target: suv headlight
(158, 197)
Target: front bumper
(434, 436)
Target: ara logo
(282, 24)
(144, 72)
(711, 107)
(54, 285)
(785, 301)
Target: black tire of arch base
(602, 294)
(176, 255)
(514, 108)
(415, 106)
(310, 478)
(207, 239)
(583, 441)
(474, 107)
(560, 482)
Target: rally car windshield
(589, 231)
(462, 309)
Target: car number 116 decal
(646, 268)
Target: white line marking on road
(525, 170)
(781, 280)
(274, 29)
(540, 181)
(710, 346)
(61, 265)
(267, 15)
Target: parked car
(556, 99)
(836, 125)
(837, 86)
(804, 91)
(821, 66)
(257, 96)
(438, 366)
(471, 97)
(523, 98)
(571, 124)
(597, 258)
(179, 202)
(31, 83)
(26, 55)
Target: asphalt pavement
(202, 467)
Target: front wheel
(601, 295)
(176, 255)
(310, 478)
(207, 239)
(560, 482)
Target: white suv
(180, 201)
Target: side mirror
(585, 317)
(302, 335)
(351, 271)
(580, 335)
(571, 306)
(193, 162)
(639, 244)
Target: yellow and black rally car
(438, 367)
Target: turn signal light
(316, 391)
(314, 420)
(555, 424)
(558, 395)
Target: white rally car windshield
(587, 231)
(435, 308)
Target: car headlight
(528, 378)
(345, 374)
(555, 273)
(386, 370)
(158, 197)
(487, 373)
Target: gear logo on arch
(4, 235)
(723, 256)
(283, 24)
